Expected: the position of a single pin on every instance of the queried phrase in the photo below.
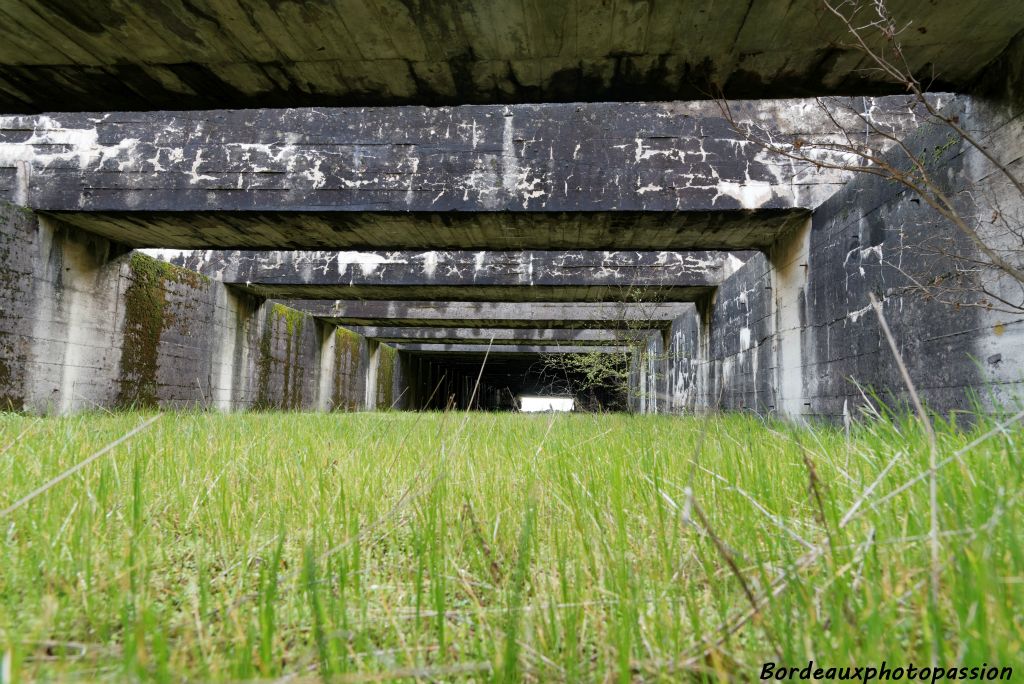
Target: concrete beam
(510, 348)
(483, 336)
(266, 53)
(618, 315)
(547, 176)
(576, 276)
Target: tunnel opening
(499, 381)
(535, 404)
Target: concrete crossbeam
(510, 348)
(608, 315)
(575, 276)
(577, 336)
(547, 176)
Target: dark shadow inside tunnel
(497, 381)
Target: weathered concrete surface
(260, 53)
(584, 176)
(618, 315)
(463, 336)
(472, 276)
(792, 332)
(83, 325)
(338, 228)
(18, 246)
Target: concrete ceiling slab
(165, 54)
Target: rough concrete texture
(83, 324)
(348, 178)
(499, 335)
(18, 246)
(391, 388)
(266, 53)
(602, 315)
(58, 311)
(576, 276)
(793, 332)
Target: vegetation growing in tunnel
(604, 380)
(598, 380)
(500, 547)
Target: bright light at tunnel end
(528, 404)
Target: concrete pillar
(328, 369)
(231, 377)
(790, 265)
(665, 372)
(75, 320)
(372, 366)
(703, 400)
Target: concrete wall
(86, 324)
(792, 332)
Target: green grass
(501, 547)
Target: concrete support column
(327, 368)
(703, 400)
(789, 258)
(665, 372)
(75, 318)
(372, 368)
(232, 365)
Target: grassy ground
(502, 547)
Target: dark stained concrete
(550, 176)
(457, 314)
(341, 229)
(172, 54)
(575, 276)
(565, 292)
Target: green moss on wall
(145, 307)
(345, 395)
(288, 325)
(386, 376)
(10, 399)
(264, 366)
(146, 318)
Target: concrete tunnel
(513, 193)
